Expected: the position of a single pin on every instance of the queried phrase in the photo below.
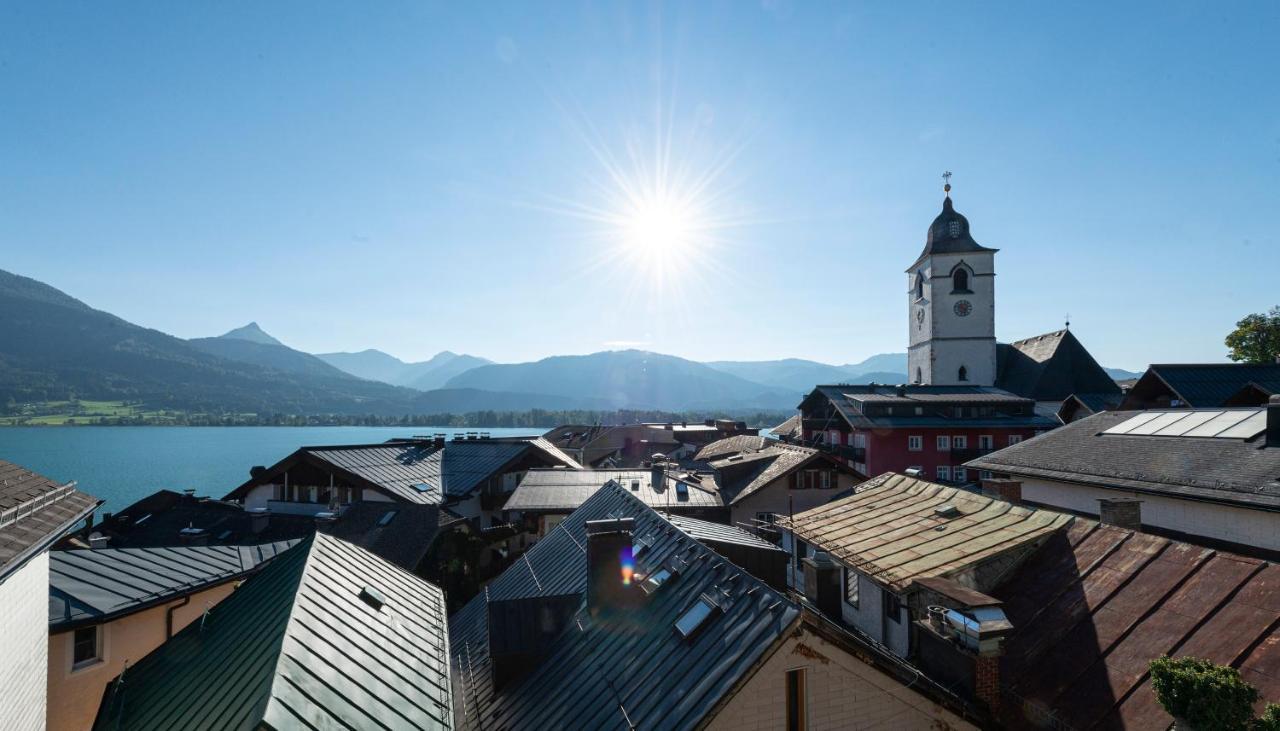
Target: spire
(946, 187)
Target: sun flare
(657, 226)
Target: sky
(714, 180)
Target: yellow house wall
(842, 692)
(74, 695)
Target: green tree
(1204, 696)
(1256, 338)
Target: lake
(120, 464)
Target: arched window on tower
(960, 280)
(919, 285)
(964, 374)
(919, 376)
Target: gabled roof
(744, 473)
(1050, 367)
(704, 531)
(788, 428)
(1237, 471)
(91, 586)
(418, 470)
(1202, 385)
(850, 402)
(35, 512)
(401, 533)
(632, 668)
(563, 490)
(1096, 603)
(896, 529)
(732, 445)
(300, 644)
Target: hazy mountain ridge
(376, 365)
(252, 333)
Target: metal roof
(35, 511)
(1229, 470)
(563, 490)
(1051, 367)
(1096, 603)
(101, 584)
(627, 670)
(706, 531)
(896, 529)
(1206, 385)
(297, 646)
(848, 401)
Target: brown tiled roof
(35, 511)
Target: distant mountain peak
(252, 333)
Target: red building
(935, 429)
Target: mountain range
(54, 347)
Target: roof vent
(946, 511)
(97, 540)
(912, 472)
(373, 598)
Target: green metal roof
(297, 646)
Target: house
(112, 606)
(35, 512)
(620, 619)
(762, 479)
(327, 635)
(629, 445)
(1208, 475)
(545, 497)
(932, 429)
(471, 475)
(897, 530)
(788, 430)
(1203, 386)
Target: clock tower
(951, 306)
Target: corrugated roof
(635, 664)
(296, 646)
(1096, 603)
(35, 511)
(563, 490)
(1224, 470)
(892, 530)
(100, 584)
(706, 531)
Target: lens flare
(628, 561)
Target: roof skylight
(387, 517)
(655, 580)
(696, 616)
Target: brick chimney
(609, 565)
(1007, 490)
(1273, 419)
(986, 681)
(1121, 512)
(822, 583)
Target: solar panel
(1237, 424)
(1255, 424)
(1161, 421)
(1222, 421)
(1131, 423)
(1187, 423)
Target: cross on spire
(946, 179)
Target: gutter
(48, 540)
(168, 615)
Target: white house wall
(24, 646)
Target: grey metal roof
(35, 511)
(848, 401)
(101, 584)
(1236, 471)
(634, 662)
(563, 490)
(1051, 367)
(944, 239)
(297, 647)
(1204, 385)
(403, 538)
(706, 531)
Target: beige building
(109, 608)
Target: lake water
(120, 464)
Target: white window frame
(915, 443)
(944, 443)
(986, 441)
(857, 587)
(960, 441)
(944, 472)
(825, 483)
(960, 475)
(1014, 439)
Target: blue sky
(411, 176)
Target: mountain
(1120, 374)
(277, 357)
(800, 376)
(629, 379)
(251, 333)
(884, 363)
(426, 375)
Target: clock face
(963, 308)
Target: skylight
(640, 546)
(387, 517)
(696, 616)
(655, 580)
(682, 491)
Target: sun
(657, 226)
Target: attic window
(682, 491)
(655, 580)
(373, 598)
(696, 616)
(635, 485)
(224, 535)
(387, 517)
(640, 546)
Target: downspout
(168, 615)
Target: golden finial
(946, 178)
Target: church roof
(1050, 367)
(946, 238)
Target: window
(851, 587)
(960, 442)
(953, 228)
(961, 474)
(919, 375)
(915, 443)
(1014, 439)
(944, 472)
(694, 617)
(802, 550)
(311, 494)
(920, 285)
(960, 280)
(656, 580)
(279, 493)
(766, 518)
(85, 647)
(944, 444)
(682, 491)
(387, 517)
(963, 375)
(985, 441)
(797, 713)
(826, 479)
(892, 606)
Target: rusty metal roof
(896, 529)
(1096, 603)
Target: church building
(968, 394)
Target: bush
(1209, 697)
(1270, 719)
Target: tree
(1202, 695)
(1256, 338)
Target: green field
(55, 413)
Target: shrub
(1269, 720)
(1209, 697)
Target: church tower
(951, 306)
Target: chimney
(658, 471)
(1121, 512)
(822, 583)
(610, 565)
(257, 471)
(97, 540)
(986, 681)
(1273, 419)
(1007, 490)
(259, 520)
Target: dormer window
(953, 228)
